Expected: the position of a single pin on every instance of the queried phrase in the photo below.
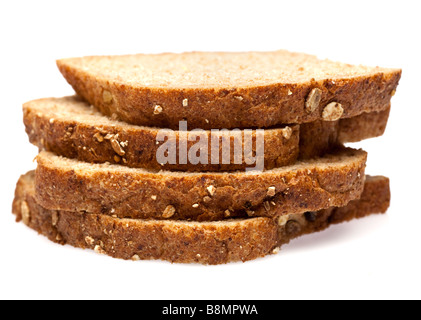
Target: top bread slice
(331, 181)
(228, 90)
(72, 128)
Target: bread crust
(183, 242)
(331, 181)
(260, 106)
(71, 128)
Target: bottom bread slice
(211, 243)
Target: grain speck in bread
(181, 241)
(227, 90)
(311, 185)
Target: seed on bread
(136, 258)
(89, 241)
(271, 192)
(282, 220)
(154, 198)
(169, 212)
(117, 147)
(207, 199)
(185, 102)
(211, 190)
(108, 136)
(158, 110)
(99, 250)
(332, 112)
(196, 205)
(107, 97)
(26, 214)
(54, 219)
(287, 133)
(99, 137)
(313, 100)
(266, 204)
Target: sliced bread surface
(228, 90)
(72, 128)
(183, 241)
(331, 181)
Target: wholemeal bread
(228, 90)
(181, 241)
(367, 125)
(312, 185)
(72, 128)
(319, 137)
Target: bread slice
(319, 137)
(182, 241)
(72, 128)
(331, 181)
(228, 90)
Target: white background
(378, 257)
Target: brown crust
(84, 139)
(183, 242)
(260, 107)
(331, 181)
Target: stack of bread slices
(101, 181)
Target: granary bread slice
(182, 241)
(317, 138)
(72, 128)
(331, 181)
(228, 90)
